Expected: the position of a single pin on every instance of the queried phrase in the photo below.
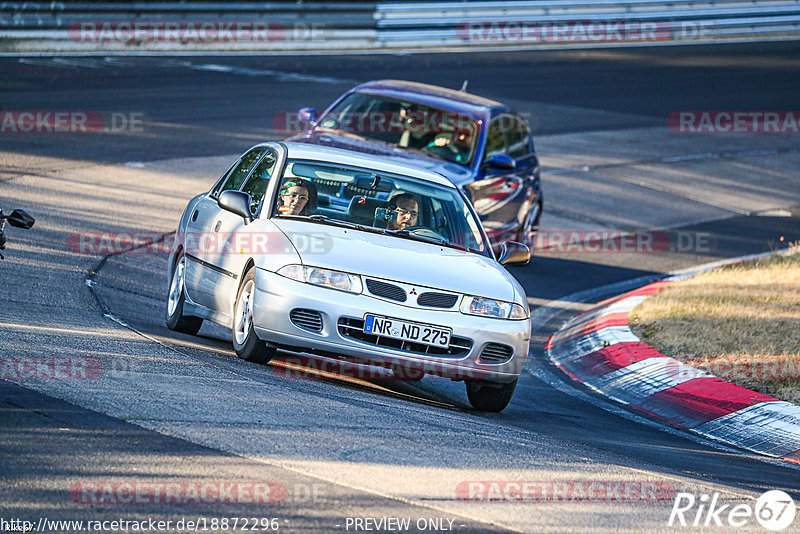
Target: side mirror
(501, 161)
(513, 253)
(20, 219)
(236, 202)
(307, 116)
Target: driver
(407, 208)
(297, 197)
(456, 147)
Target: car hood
(399, 259)
(455, 173)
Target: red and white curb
(598, 349)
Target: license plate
(427, 334)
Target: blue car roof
(434, 96)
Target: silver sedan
(325, 251)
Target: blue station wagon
(479, 144)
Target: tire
(176, 297)
(245, 341)
(489, 397)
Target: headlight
(492, 308)
(323, 277)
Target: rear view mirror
(236, 202)
(307, 116)
(513, 253)
(374, 183)
(21, 219)
(501, 161)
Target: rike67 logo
(774, 510)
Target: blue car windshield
(369, 200)
(438, 133)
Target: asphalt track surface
(180, 408)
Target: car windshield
(438, 133)
(398, 206)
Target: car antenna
(464, 86)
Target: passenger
(407, 208)
(297, 197)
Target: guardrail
(564, 23)
(56, 15)
(191, 26)
(258, 26)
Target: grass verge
(741, 323)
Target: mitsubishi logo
(413, 291)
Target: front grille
(354, 329)
(496, 353)
(437, 300)
(308, 319)
(388, 291)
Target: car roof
(348, 157)
(433, 95)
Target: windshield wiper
(344, 133)
(405, 233)
(328, 220)
(324, 219)
(434, 240)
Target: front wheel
(176, 320)
(489, 397)
(245, 342)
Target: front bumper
(276, 296)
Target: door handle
(217, 226)
(194, 216)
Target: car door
(498, 194)
(203, 246)
(520, 147)
(237, 241)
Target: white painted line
(689, 157)
(398, 51)
(772, 213)
(211, 67)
